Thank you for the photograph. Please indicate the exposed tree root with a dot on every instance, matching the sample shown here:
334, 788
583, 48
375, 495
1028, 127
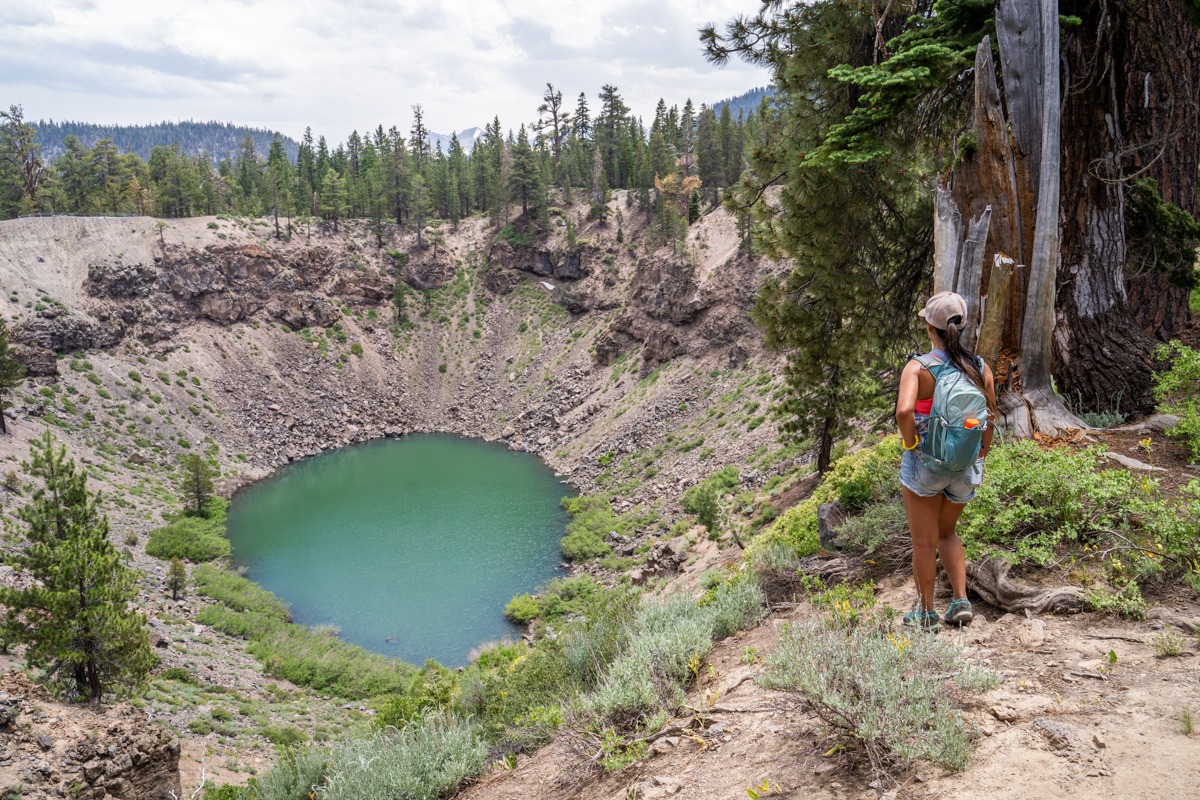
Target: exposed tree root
833, 570
990, 580
1171, 618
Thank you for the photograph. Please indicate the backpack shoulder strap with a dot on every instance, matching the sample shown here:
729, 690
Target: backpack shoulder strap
934, 365
926, 360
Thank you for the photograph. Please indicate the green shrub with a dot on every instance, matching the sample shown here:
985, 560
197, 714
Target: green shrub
704, 499
283, 735
179, 674
225, 791
356, 348
522, 609
876, 468
195, 538
886, 691
430, 690
591, 520
516, 238
426, 760
201, 726
1178, 392
1034, 499
311, 657
237, 593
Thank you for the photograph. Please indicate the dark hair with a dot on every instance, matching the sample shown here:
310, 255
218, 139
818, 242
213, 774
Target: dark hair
963, 359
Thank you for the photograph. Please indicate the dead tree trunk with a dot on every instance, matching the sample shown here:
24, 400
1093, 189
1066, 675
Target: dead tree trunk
1131, 73
1006, 181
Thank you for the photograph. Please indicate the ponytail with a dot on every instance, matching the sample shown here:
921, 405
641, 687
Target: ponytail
963, 359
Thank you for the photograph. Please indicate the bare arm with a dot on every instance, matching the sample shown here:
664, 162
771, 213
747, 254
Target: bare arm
989, 391
906, 402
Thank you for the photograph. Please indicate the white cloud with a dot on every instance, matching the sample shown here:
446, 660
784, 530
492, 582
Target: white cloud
353, 64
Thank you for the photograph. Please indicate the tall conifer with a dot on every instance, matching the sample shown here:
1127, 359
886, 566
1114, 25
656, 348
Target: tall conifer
75, 618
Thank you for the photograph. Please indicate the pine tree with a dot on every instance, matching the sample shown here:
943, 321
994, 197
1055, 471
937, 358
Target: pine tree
195, 484
708, 153
278, 183
525, 180
610, 125
176, 578
555, 122
420, 207
75, 618
333, 197
22, 172
418, 140
10, 372
76, 181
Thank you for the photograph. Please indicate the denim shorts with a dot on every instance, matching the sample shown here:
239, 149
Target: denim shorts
919, 480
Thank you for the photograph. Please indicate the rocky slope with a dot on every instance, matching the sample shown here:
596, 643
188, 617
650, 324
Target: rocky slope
619, 362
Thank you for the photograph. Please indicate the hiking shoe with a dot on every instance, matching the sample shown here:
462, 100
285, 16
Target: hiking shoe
959, 613
925, 620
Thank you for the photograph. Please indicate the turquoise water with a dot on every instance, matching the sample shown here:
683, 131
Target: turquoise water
410, 547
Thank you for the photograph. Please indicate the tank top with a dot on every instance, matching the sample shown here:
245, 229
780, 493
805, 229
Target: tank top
924, 407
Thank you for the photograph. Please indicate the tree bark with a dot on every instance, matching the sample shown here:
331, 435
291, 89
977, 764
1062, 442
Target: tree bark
1015, 211
1134, 90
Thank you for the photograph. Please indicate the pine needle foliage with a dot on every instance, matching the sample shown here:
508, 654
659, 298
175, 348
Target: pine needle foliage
75, 619
853, 213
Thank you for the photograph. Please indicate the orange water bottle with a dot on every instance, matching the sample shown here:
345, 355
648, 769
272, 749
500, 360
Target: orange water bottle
971, 423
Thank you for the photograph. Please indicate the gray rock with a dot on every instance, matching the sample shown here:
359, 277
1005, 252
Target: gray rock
830, 517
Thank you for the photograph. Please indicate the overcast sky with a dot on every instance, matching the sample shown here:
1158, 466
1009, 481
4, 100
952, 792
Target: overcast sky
353, 64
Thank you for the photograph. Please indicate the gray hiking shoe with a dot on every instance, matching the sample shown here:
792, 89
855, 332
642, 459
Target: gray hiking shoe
959, 613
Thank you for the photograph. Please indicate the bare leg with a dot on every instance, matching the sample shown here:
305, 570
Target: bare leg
950, 548
924, 514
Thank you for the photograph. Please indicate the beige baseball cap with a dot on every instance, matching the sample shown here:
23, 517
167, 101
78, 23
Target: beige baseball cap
943, 307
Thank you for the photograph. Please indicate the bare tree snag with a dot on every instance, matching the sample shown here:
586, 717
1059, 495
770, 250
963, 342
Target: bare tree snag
995, 311
947, 239
1038, 329
1015, 210
970, 271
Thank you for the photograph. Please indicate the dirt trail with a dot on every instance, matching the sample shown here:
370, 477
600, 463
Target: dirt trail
1045, 732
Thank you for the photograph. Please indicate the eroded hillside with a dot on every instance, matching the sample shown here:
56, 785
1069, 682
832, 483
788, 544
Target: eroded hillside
625, 366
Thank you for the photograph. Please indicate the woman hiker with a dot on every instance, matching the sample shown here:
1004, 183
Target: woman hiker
933, 502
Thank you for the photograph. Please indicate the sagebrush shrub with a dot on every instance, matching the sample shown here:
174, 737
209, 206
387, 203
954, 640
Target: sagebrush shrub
888, 691
666, 645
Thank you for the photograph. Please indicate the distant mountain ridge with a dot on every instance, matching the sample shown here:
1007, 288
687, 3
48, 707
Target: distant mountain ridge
743, 104
218, 139
223, 139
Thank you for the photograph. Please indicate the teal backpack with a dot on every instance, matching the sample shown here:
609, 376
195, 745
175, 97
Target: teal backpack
950, 447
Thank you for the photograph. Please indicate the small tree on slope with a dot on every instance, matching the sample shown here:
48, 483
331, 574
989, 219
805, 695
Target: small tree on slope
196, 484
75, 619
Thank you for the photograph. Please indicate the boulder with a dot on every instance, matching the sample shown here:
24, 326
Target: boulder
830, 517
39, 362
120, 281
501, 281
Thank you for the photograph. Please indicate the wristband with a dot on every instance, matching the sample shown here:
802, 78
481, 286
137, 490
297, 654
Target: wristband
916, 441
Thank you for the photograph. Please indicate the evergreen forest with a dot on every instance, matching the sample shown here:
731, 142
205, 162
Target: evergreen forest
388, 175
